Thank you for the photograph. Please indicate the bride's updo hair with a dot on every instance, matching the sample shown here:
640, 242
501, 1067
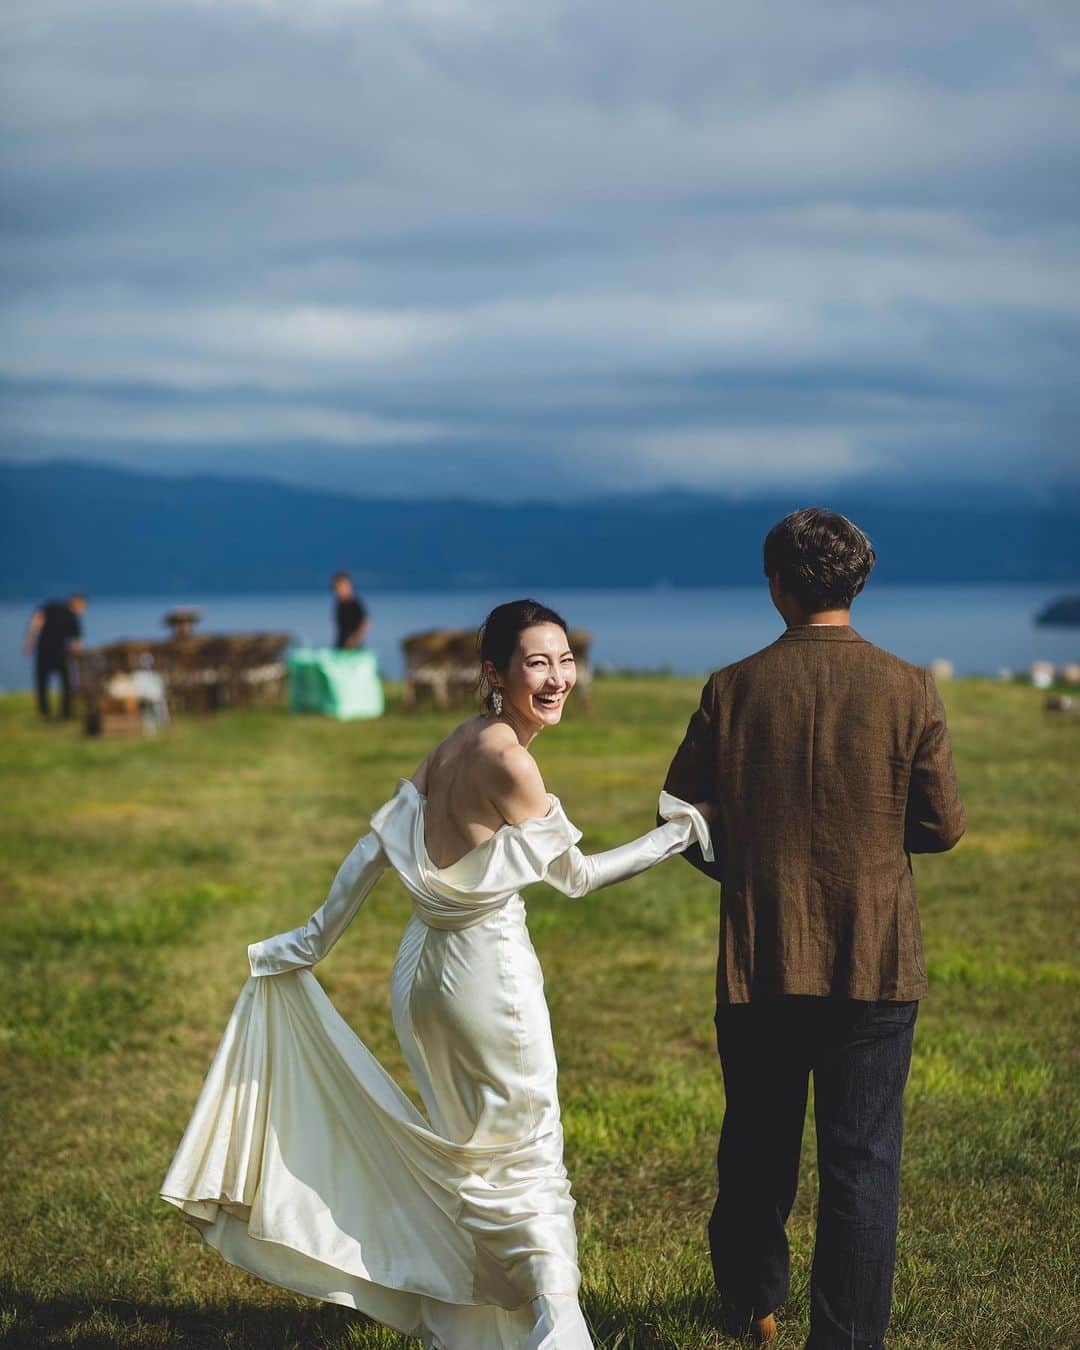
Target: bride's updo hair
499, 633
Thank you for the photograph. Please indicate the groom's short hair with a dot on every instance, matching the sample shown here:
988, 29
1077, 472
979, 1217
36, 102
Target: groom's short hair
820, 557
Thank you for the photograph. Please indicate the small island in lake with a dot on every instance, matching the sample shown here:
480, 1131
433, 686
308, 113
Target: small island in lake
1065, 610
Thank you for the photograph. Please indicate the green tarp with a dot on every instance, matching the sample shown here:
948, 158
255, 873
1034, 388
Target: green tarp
334, 683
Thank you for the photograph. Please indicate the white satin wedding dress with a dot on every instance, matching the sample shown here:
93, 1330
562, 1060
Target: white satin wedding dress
307, 1165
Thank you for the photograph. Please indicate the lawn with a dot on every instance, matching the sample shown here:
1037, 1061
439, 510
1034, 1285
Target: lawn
133, 875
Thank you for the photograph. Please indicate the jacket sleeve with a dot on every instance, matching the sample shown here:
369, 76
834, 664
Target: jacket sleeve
576, 873
935, 818
692, 775
306, 945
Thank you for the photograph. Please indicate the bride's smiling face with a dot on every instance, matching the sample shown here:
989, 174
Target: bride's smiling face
538, 677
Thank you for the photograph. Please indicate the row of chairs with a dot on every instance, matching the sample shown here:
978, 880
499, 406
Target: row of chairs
199, 674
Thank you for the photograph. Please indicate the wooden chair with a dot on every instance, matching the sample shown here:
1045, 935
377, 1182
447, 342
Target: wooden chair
463, 661
110, 705
580, 643
426, 667
262, 674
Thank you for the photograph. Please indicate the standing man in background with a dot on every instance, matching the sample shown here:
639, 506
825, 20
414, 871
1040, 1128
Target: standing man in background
350, 614
56, 629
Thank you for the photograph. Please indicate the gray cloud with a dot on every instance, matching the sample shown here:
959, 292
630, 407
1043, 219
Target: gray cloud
466, 247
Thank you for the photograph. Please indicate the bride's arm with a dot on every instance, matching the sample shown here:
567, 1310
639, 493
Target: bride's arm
520, 795
308, 944
576, 873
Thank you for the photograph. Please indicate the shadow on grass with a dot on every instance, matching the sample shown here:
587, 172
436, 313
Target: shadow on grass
682, 1322
121, 1324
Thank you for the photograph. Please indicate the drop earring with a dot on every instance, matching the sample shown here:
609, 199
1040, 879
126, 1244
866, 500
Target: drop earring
496, 701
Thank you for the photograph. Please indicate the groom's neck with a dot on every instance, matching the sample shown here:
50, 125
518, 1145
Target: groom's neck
795, 617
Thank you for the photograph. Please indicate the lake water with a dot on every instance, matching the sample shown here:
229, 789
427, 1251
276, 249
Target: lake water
979, 628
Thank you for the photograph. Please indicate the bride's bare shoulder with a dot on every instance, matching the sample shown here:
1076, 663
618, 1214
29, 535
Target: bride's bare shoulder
461, 740
512, 777
419, 776
486, 758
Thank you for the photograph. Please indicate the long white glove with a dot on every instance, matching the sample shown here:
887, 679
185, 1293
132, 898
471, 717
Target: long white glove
306, 945
576, 873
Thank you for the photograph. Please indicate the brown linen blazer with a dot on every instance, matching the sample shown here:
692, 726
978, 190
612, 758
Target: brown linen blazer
828, 763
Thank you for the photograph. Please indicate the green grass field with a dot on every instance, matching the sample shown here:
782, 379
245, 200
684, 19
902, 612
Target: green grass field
135, 873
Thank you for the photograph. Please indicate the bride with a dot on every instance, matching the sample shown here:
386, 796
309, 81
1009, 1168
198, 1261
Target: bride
307, 1165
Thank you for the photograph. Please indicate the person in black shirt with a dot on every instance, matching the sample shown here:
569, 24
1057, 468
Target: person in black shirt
352, 617
56, 629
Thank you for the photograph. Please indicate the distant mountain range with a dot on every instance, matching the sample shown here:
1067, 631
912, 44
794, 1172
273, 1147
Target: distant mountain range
114, 532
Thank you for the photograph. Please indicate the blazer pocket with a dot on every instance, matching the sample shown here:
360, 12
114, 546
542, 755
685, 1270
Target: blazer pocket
914, 925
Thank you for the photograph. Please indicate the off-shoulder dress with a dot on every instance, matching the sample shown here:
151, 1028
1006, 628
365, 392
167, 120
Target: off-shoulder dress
306, 1164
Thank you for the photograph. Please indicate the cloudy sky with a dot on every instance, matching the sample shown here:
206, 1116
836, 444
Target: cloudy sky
516, 248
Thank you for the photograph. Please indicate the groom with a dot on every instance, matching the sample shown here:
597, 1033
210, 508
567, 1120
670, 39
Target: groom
827, 762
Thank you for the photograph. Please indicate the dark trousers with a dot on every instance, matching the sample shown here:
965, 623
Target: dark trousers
859, 1054
45, 666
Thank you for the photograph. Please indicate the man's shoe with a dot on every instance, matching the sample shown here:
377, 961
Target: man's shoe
763, 1329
